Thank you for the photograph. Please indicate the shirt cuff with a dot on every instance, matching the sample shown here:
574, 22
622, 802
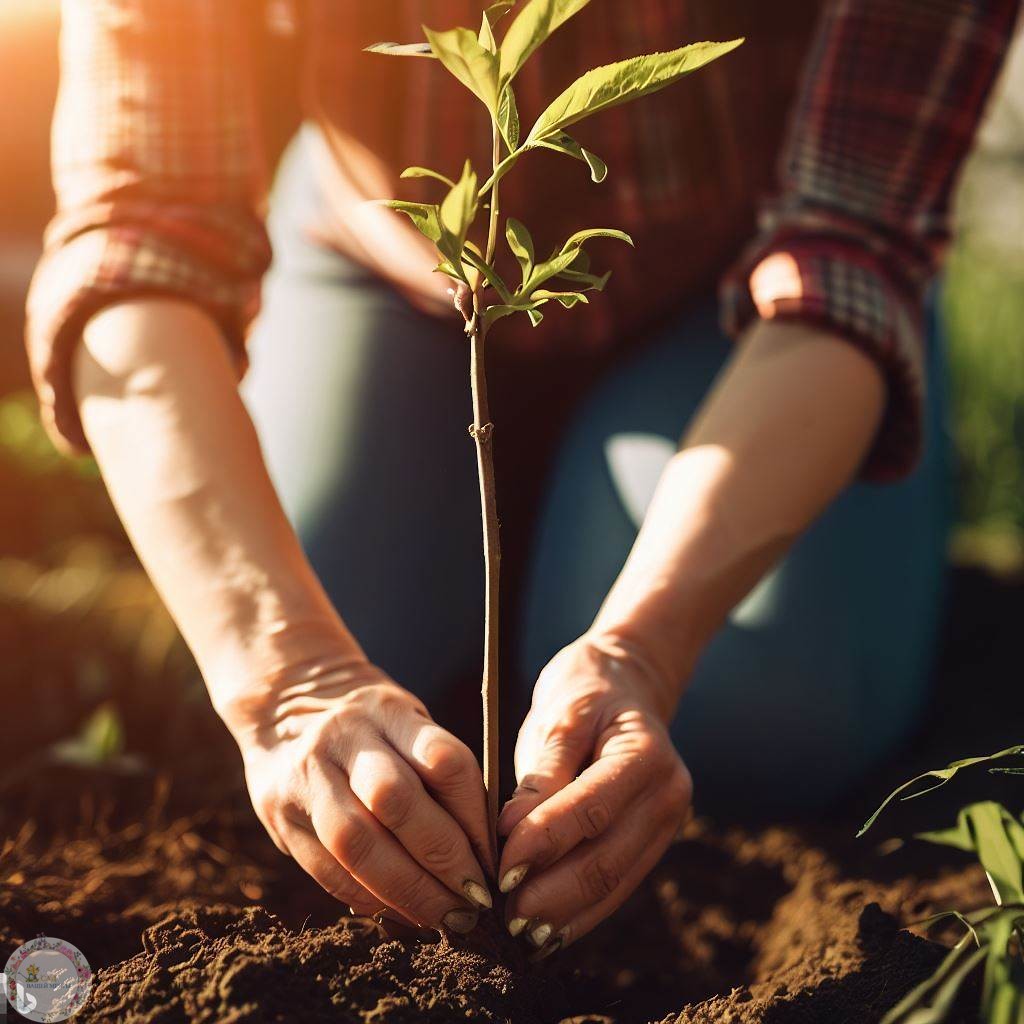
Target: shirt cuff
102, 266
843, 289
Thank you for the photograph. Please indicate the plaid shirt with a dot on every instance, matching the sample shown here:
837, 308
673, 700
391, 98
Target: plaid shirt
160, 183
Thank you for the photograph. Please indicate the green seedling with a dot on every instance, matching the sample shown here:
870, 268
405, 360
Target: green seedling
484, 291
993, 940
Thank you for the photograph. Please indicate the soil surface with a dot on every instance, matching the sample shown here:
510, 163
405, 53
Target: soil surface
199, 919
164, 879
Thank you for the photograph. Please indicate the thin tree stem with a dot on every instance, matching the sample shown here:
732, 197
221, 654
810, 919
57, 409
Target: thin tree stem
482, 431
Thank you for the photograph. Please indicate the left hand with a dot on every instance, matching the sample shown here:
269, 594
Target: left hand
602, 792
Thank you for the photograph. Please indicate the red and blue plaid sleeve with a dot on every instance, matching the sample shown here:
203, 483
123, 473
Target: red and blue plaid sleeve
892, 94
158, 175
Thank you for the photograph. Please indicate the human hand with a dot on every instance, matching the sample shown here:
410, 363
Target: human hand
352, 778
601, 794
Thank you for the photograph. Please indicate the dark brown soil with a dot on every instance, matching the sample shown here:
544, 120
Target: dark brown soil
199, 919
188, 912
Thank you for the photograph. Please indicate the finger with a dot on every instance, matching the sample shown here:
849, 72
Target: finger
584, 810
311, 856
376, 859
392, 792
543, 767
598, 874
587, 920
451, 773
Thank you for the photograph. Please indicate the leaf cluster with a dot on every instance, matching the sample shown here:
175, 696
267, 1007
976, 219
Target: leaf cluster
994, 937
488, 68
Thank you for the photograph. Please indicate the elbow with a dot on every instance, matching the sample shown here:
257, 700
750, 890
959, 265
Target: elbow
134, 350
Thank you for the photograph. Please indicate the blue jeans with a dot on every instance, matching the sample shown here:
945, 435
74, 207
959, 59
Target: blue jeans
362, 406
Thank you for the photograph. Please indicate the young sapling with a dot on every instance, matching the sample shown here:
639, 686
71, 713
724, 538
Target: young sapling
482, 293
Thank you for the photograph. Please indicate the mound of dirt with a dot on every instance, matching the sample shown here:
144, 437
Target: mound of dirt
202, 920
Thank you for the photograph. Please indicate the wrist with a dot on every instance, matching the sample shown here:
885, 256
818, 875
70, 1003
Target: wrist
629, 668
258, 684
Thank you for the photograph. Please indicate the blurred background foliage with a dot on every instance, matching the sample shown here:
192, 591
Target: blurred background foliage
984, 308
81, 631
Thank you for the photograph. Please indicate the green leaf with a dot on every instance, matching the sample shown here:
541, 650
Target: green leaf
534, 23
103, 734
508, 118
494, 313
578, 273
426, 172
458, 211
520, 242
584, 281
446, 226
942, 774
566, 299
423, 215
626, 80
564, 143
100, 741
485, 37
447, 268
548, 269
475, 67
401, 49
958, 837
999, 858
488, 20
576, 241
1001, 997
476, 261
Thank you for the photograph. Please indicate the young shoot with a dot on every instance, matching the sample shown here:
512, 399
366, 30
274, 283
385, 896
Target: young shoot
993, 940
483, 291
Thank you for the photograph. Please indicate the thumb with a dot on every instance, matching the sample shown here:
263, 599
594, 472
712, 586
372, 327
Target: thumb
544, 765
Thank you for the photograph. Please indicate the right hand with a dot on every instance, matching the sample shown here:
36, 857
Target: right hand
352, 778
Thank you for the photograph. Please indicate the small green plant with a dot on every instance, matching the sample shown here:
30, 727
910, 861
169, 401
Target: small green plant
993, 939
482, 292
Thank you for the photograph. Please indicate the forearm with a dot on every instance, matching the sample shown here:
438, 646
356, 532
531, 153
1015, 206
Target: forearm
159, 405
784, 429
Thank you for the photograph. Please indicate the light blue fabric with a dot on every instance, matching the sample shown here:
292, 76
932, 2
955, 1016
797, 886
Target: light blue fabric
362, 408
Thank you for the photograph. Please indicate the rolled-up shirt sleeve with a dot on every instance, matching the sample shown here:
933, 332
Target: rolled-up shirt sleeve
158, 175
892, 94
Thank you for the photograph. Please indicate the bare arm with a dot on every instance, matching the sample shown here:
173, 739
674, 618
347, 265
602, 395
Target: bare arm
339, 759
157, 395
783, 431
602, 789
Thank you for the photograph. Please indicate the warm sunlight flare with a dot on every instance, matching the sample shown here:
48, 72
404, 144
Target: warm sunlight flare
12, 11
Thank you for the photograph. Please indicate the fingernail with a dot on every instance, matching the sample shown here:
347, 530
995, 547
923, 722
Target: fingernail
513, 877
461, 921
477, 894
540, 934
516, 925
552, 947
